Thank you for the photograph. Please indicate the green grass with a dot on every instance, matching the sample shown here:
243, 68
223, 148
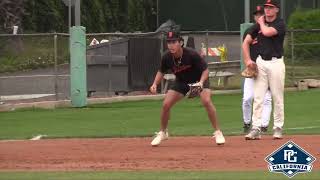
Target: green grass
141, 118
152, 175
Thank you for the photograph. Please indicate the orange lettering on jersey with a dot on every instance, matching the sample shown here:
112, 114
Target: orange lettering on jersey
180, 68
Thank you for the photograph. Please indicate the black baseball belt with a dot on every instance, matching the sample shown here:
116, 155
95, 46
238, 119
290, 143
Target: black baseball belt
269, 58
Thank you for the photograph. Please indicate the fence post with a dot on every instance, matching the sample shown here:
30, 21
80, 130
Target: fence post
55, 38
78, 73
109, 68
207, 45
292, 55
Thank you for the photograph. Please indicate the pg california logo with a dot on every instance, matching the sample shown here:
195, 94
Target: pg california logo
290, 159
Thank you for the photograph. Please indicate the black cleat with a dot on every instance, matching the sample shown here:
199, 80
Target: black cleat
246, 128
264, 129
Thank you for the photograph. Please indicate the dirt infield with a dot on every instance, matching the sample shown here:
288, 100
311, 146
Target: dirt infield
177, 153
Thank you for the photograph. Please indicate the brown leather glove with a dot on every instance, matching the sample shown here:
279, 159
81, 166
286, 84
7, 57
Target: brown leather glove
250, 72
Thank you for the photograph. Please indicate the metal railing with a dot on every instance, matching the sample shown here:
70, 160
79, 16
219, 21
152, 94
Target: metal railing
41, 65
30, 66
302, 53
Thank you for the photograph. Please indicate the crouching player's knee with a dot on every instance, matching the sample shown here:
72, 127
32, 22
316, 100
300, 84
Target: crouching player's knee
206, 98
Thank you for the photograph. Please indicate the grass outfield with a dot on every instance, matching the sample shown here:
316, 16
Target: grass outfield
153, 175
127, 119
142, 119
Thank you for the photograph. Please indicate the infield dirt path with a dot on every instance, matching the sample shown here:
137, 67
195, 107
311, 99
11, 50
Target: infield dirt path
177, 153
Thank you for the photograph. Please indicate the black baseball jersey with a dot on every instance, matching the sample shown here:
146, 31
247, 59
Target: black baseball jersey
188, 69
271, 46
254, 46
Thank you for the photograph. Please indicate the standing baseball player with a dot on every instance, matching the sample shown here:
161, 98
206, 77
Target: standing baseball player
188, 67
270, 31
248, 84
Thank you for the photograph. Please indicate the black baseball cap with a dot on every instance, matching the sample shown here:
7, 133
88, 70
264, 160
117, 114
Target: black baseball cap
273, 3
173, 36
258, 10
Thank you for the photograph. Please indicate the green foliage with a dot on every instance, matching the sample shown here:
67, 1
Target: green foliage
305, 19
141, 14
44, 16
92, 16
14, 63
96, 15
115, 11
36, 52
136, 15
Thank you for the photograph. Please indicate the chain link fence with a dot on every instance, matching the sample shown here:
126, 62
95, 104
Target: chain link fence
35, 67
302, 55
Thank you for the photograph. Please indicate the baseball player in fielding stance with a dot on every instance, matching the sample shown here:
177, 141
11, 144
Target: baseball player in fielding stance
188, 67
270, 31
248, 85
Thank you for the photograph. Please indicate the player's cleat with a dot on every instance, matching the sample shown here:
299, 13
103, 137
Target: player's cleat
264, 129
246, 128
277, 133
254, 134
219, 137
160, 136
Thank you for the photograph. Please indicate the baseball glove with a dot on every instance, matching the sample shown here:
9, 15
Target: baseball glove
250, 72
195, 90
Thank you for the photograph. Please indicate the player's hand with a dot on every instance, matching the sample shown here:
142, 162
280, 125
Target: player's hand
202, 54
251, 71
261, 20
153, 89
251, 64
198, 84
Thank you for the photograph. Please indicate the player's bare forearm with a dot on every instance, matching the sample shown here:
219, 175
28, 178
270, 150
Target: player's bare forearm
266, 30
246, 50
158, 78
204, 76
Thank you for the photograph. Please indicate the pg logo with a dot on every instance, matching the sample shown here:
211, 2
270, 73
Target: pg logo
290, 159
290, 156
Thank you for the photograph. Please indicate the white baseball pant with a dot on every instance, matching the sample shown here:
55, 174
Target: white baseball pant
271, 75
247, 103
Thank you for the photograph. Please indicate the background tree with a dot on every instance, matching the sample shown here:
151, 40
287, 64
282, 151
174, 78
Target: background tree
11, 12
92, 16
141, 15
45, 16
96, 15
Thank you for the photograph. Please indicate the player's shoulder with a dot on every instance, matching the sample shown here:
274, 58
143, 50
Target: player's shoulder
254, 28
278, 22
279, 25
252, 31
190, 51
